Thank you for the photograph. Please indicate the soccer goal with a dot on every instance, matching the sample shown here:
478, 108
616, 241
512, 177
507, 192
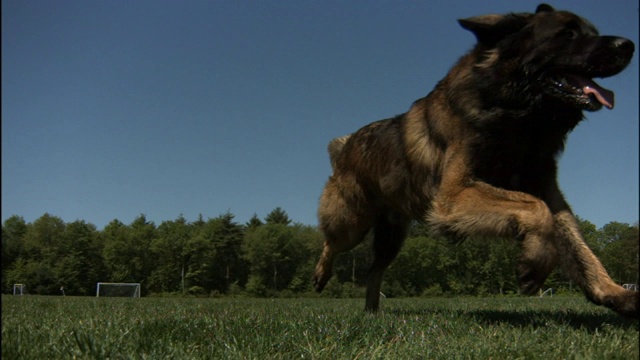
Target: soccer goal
118, 289
19, 289
549, 291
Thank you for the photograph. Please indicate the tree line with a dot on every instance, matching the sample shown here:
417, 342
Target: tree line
267, 258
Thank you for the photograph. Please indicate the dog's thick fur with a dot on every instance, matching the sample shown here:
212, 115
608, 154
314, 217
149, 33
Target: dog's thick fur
477, 156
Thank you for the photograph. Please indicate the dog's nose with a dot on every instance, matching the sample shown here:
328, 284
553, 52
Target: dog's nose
624, 45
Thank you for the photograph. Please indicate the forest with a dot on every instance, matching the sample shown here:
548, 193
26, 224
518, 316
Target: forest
269, 257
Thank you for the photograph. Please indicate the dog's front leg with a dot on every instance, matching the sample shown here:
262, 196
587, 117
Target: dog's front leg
547, 229
583, 267
479, 209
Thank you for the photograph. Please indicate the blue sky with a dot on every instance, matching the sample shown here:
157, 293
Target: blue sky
112, 109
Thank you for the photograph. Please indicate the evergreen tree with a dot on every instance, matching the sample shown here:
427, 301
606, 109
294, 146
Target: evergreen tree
274, 254
42, 252
168, 250
13, 232
278, 216
127, 251
620, 254
80, 265
254, 222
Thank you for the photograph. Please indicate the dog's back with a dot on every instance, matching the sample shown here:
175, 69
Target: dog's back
335, 147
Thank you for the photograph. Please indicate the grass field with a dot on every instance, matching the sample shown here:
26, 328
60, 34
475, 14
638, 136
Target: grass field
35, 327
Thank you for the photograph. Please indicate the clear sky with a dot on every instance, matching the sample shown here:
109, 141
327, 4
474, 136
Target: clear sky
112, 109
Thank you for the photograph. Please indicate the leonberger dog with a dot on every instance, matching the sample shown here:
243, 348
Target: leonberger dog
478, 155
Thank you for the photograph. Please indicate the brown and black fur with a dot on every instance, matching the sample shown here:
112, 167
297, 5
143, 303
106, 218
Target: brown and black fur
477, 156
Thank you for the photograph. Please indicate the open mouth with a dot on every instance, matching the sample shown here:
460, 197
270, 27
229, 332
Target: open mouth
583, 89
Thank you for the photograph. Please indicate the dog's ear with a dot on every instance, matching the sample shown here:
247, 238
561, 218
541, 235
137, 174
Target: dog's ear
544, 8
490, 29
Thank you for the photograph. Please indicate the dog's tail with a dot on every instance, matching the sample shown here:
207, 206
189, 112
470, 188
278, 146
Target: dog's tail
335, 148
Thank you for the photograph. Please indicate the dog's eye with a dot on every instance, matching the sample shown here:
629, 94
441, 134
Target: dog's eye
569, 34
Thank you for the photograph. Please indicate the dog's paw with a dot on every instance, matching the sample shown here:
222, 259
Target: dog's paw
625, 305
319, 282
529, 280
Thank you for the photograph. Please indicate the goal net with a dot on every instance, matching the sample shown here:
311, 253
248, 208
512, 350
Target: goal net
19, 289
105, 289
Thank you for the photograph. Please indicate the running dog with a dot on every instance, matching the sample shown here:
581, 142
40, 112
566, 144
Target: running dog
478, 155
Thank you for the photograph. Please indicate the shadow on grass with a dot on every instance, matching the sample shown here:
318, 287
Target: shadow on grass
591, 322
543, 318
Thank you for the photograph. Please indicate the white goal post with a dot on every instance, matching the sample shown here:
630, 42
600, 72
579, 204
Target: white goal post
108, 289
19, 289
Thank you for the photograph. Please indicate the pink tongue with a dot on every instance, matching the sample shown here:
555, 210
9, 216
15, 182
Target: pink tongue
604, 96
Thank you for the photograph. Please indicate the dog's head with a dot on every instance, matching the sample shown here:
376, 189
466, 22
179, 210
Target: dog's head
554, 55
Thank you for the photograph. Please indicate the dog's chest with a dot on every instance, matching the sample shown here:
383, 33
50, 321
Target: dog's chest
513, 164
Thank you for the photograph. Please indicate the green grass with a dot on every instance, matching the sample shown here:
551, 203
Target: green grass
35, 327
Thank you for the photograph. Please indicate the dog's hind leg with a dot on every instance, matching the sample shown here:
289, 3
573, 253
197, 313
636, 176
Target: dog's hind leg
335, 242
344, 226
389, 233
